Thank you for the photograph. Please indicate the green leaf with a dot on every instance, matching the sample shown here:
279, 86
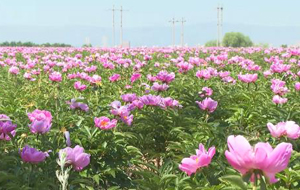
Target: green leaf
235, 180
246, 177
263, 185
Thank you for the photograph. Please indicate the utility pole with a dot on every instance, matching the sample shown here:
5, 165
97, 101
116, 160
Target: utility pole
219, 25
121, 26
113, 26
87, 42
173, 21
182, 31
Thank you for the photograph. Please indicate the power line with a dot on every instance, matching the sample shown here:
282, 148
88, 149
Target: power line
173, 21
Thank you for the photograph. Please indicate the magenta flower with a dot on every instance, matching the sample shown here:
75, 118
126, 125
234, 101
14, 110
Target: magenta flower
208, 104
297, 86
135, 77
165, 77
267, 73
55, 77
169, 102
119, 110
279, 100
105, 123
76, 157
159, 87
184, 67
245, 158
206, 92
14, 70
74, 105
205, 74
138, 104
79, 86
40, 121
150, 100
248, 78
151, 78
114, 77
32, 155
279, 67
7, 128
127, 119
95, 79
278, 87
288, 128
193, 163
129, 97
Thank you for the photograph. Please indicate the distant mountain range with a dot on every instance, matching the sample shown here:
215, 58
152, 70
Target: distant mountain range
196, 34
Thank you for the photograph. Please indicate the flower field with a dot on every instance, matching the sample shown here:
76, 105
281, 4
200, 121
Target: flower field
88, 118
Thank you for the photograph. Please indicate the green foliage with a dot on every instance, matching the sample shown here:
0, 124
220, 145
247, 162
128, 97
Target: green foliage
211, 43
236, 39
145, 155
263, 45
31, 44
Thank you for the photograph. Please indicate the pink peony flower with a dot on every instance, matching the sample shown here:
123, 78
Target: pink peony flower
105, 123
245, 158
248, 78
55, 77
278, 87
74, 105
165, 77
7, 128
135, 77
206, 92
79, 86
114, 77
208, 104
129, 97
193, 163
159, 87
279, 100
41, 121
13, 70
32, 155
76, 157
297, 86
289, 129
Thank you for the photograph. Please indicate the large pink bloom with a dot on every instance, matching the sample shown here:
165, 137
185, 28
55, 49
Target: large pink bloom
76, 157
32, 155
208, 104
193, 163
279, 100
79, 86
245, 158
289, 129
55, 77
248, 78
41, 121
165, 77
105, 123
134, 77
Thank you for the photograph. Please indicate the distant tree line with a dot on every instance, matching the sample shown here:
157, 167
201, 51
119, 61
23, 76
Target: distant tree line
232, 39
31, 44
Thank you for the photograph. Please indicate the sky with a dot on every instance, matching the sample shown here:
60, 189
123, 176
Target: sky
71, 21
